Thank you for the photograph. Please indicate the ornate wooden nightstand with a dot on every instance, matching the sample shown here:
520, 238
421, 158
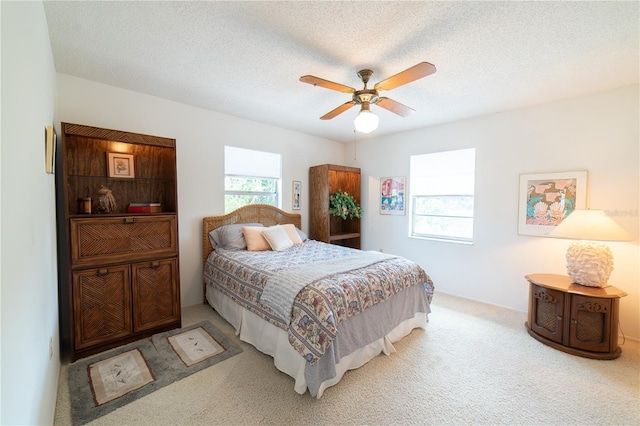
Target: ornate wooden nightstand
573, 318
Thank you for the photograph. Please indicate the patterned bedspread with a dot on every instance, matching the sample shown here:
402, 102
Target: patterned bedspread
321, 306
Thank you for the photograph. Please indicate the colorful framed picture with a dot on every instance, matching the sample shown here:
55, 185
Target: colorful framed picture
546, 199
392, 195
120, 165
295, 195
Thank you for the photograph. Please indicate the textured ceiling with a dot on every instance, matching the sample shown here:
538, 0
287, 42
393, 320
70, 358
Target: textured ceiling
245, 58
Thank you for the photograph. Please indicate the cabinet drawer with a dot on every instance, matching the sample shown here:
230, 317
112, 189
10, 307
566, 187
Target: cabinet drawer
101, 305
98, 241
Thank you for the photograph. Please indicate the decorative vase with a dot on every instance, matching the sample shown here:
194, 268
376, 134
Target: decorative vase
589, 263
106, 200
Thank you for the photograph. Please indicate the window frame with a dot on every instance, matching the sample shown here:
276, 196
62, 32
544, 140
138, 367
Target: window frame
413, 203
277, 181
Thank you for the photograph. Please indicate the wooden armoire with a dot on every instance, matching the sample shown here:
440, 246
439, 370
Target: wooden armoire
118, 277
323, 180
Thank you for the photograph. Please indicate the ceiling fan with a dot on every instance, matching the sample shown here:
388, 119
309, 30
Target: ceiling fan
366, 121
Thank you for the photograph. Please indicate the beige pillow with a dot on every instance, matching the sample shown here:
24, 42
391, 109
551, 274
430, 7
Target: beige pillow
255, 239
292, 233
277, 238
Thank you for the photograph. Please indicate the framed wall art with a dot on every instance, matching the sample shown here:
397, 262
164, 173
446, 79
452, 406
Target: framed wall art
295, 195
50, 140
392, 195
546, 199
120, 165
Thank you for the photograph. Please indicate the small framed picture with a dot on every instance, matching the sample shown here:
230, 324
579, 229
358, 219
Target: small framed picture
392, 195
295, 195
49, 149
548, 198
120, 165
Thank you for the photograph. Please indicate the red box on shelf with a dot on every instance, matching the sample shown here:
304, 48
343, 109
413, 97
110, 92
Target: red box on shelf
145, 208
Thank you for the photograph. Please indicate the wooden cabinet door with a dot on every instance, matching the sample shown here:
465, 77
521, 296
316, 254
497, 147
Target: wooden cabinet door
156, 297
590, 326
547, 312
101, 305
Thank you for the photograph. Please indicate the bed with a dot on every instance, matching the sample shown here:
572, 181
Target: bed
318, 309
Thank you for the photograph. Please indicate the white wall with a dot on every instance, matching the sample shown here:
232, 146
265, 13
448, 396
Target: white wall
200, 138
597, 133
29, 308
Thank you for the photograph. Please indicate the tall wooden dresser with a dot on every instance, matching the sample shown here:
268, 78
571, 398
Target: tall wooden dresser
118, 271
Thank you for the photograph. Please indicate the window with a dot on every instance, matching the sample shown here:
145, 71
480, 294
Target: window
250, 177
441, 190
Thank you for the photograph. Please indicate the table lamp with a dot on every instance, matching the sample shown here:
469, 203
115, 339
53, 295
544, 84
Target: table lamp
590, 263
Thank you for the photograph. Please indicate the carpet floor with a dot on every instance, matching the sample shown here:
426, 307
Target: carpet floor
474, 364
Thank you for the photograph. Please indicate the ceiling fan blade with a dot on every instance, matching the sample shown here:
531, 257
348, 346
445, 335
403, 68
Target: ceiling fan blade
395, 107
317, 81
342, 108
420, 70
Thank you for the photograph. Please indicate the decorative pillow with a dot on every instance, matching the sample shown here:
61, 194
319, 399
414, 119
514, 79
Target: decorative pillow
277, 237
302, 235
292, 232
255, 239
230, 237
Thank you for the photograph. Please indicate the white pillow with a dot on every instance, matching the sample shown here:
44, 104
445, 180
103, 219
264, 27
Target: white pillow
277, 237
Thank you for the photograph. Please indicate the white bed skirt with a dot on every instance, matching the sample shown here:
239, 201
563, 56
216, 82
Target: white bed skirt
274, 341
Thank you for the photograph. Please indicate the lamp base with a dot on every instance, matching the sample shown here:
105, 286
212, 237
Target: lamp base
589, 263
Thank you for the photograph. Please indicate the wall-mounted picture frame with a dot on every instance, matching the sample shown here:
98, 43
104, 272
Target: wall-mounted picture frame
120, 165
392, 195
50, 140
546, 199
295, 194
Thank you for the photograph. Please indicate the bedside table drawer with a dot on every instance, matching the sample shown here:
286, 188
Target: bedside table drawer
98, 241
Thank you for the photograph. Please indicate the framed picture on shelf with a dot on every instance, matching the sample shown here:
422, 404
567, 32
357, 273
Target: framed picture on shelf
120, 165
546, 199
392, 195
295, 195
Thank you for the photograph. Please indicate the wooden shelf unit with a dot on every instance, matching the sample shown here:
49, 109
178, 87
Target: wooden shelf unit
118, 273
323, 180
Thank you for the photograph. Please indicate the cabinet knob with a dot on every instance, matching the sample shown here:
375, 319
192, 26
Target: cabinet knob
102, 272
129, 220
154, 265
559, 318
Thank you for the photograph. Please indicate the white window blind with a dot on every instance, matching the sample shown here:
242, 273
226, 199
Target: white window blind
248, 162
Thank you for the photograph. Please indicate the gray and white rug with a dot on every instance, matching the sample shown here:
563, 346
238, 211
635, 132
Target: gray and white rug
107, 381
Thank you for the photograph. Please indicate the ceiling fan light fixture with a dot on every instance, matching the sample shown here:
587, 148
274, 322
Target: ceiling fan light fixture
366, 121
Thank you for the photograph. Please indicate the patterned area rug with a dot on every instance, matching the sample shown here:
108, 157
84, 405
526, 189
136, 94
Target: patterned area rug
104, 382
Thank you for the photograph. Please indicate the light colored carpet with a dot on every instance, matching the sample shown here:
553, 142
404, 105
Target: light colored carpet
474, 364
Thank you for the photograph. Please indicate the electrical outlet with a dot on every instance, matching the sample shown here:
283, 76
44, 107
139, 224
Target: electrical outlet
50, 348
381, 251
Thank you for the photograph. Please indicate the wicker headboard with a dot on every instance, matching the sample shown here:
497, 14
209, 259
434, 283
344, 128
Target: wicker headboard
253, 213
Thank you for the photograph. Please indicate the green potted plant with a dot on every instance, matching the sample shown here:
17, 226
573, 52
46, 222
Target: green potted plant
344, 205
